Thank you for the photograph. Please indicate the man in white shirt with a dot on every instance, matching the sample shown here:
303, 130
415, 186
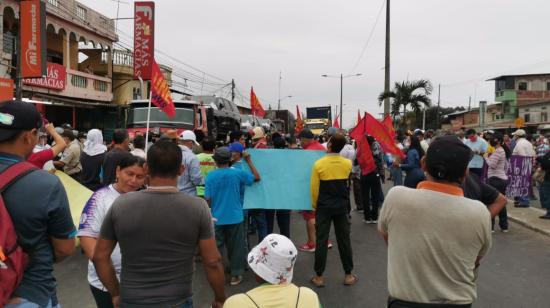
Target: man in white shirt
522, 148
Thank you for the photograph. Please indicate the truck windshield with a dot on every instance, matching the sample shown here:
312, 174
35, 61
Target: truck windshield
138, 116
315, 126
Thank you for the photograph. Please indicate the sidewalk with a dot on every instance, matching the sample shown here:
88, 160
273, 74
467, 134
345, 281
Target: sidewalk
529, 217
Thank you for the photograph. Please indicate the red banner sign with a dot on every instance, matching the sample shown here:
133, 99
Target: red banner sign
144, 39
56, 78
6, 89
33, 38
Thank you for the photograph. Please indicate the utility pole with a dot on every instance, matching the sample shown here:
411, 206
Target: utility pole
18, 80
469, 103
387, 64
279, 101
438, 103
341, 98
232, 90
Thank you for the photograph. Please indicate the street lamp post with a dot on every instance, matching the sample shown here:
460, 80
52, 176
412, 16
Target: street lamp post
341, 91
282, 99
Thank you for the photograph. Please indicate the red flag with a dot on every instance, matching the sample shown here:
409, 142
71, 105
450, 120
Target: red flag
364, 156
299, 123
388, 122
336, 124
255, 105
358, 116
369, 125
160, 92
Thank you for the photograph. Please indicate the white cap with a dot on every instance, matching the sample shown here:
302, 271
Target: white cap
189, 135
519, 133
273, 259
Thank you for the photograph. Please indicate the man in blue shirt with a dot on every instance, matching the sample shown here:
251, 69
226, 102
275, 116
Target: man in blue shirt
479, 147
223, 193
38, 207
192, 176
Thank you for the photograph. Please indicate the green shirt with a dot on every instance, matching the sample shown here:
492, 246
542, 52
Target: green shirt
206, 164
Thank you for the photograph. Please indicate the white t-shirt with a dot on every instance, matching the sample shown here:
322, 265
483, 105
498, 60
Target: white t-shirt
90, 224
434, 238
524, 148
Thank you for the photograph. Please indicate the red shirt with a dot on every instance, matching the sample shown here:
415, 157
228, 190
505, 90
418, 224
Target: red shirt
315, 145
40, 158
262, 144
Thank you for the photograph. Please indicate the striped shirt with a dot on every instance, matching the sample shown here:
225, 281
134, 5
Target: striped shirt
498, 164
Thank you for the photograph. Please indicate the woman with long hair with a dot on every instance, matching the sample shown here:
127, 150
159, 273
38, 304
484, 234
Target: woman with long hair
414, 173
130, 176
497, 164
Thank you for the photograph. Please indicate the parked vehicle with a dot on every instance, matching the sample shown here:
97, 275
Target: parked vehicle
248, 122
318, 119
214, 116
283, 120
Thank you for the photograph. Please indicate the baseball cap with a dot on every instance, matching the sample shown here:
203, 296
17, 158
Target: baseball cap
519, 133
222, 155
236, 147
447, 158
273, 259
189, 135
306, 133
17, 116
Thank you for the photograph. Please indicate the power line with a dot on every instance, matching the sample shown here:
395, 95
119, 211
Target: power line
369, 37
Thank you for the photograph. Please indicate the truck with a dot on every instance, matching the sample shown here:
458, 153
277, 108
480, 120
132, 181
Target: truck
214, 116
282, 120
318, 119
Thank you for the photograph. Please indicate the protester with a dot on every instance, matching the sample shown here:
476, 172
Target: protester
130, 177
423, 143
42, 141
478, 147
70, 159
522, 147
40, 158
444, 274
308, 142
237, 136
157, 249
544, 188
92, 159
330, 198
192, 176
139, 147
37, 206
206, 161
371, 184
414, 173
273, 264
121, 141
223, 193
395, 172
259, 138
497, 164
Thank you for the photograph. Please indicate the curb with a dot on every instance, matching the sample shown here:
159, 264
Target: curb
525, 223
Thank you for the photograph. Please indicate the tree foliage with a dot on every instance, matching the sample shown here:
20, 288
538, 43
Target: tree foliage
414, 94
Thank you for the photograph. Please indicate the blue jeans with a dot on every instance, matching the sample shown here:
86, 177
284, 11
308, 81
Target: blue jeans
544, 196
26, 304
397, 176
260, 222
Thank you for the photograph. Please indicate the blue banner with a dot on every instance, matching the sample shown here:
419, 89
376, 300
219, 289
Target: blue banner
285, 179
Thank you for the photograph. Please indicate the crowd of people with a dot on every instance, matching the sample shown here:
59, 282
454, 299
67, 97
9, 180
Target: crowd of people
153, 213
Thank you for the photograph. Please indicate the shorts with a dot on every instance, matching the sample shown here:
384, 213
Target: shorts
308, 215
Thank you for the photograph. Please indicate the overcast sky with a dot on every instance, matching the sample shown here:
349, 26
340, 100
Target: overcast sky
459, 44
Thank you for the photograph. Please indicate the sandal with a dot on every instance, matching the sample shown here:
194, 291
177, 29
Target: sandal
352, 282
318, 283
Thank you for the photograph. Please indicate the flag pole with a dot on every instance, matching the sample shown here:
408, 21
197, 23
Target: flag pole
148, 120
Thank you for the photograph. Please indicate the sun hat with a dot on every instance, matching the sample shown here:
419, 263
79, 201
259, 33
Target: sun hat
273, 259
258, 133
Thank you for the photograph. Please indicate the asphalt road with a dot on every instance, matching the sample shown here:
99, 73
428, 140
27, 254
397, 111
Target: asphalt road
515, 274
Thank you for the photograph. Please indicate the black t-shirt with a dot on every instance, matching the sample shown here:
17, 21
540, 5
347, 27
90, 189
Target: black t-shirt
91, 168
475, 189
110, 162
544, 162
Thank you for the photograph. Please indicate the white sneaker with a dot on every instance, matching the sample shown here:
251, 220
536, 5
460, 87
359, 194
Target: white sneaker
368, 222
375, 221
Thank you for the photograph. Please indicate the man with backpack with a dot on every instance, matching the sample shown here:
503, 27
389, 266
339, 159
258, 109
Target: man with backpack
36, 228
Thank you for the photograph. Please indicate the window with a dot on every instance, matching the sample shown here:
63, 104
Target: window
104, 57
522, 86
136, 93
81, 12
53, 2
548, 86
527, 117
543, 116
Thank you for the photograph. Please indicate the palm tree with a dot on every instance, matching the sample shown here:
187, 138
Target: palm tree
414, 93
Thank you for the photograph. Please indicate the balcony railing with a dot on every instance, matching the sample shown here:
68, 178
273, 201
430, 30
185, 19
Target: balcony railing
88, 86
